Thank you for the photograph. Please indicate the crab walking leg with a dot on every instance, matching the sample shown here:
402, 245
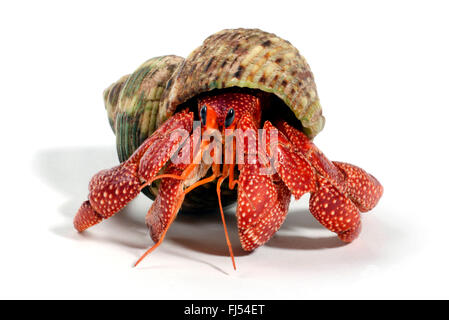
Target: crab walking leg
293, 168
163, 211
361, 187
165, 146
315, 157
343, 190
335, 211
111, 190
170, 197
166, 205
180, 121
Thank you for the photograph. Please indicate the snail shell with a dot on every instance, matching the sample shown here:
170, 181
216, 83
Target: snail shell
247, 58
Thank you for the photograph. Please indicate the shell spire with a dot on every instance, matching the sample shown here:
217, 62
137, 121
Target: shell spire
133, 102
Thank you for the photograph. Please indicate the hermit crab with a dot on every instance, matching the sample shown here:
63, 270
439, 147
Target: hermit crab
233, 122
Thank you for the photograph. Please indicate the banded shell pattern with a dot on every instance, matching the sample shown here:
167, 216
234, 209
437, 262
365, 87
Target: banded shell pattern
133, 102
248, 58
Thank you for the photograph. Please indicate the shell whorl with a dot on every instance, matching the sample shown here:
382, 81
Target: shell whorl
248, 58
111, 99
134, 115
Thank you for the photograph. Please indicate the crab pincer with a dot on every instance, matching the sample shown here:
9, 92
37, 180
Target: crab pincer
111, 190
262, 206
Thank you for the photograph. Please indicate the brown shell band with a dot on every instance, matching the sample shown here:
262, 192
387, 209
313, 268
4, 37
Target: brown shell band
248, 58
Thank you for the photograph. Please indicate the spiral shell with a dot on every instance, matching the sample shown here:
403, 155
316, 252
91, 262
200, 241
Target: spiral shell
133, 102
247, 58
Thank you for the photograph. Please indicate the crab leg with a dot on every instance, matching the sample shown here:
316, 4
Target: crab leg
165, 207
165, 145
166, 204
361, 187
335, 211
111, 190
293, 168
343, 190
316, 158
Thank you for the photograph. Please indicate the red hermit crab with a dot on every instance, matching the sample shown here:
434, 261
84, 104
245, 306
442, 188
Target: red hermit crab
232, 122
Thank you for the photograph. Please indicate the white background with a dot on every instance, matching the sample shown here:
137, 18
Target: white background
382, 74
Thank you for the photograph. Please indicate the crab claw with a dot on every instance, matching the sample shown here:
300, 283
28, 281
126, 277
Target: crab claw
86, 217
262, 206
109, 191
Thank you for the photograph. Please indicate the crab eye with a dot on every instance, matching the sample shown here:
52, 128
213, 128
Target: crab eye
229, 117
203, 114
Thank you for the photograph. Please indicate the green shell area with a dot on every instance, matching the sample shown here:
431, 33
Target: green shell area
111, 98
133, 102
248, 58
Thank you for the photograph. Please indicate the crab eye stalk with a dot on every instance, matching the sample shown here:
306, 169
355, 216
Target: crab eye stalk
229, 117
203, 114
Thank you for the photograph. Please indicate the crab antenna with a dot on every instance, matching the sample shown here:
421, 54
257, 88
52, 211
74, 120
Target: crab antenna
220, 180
